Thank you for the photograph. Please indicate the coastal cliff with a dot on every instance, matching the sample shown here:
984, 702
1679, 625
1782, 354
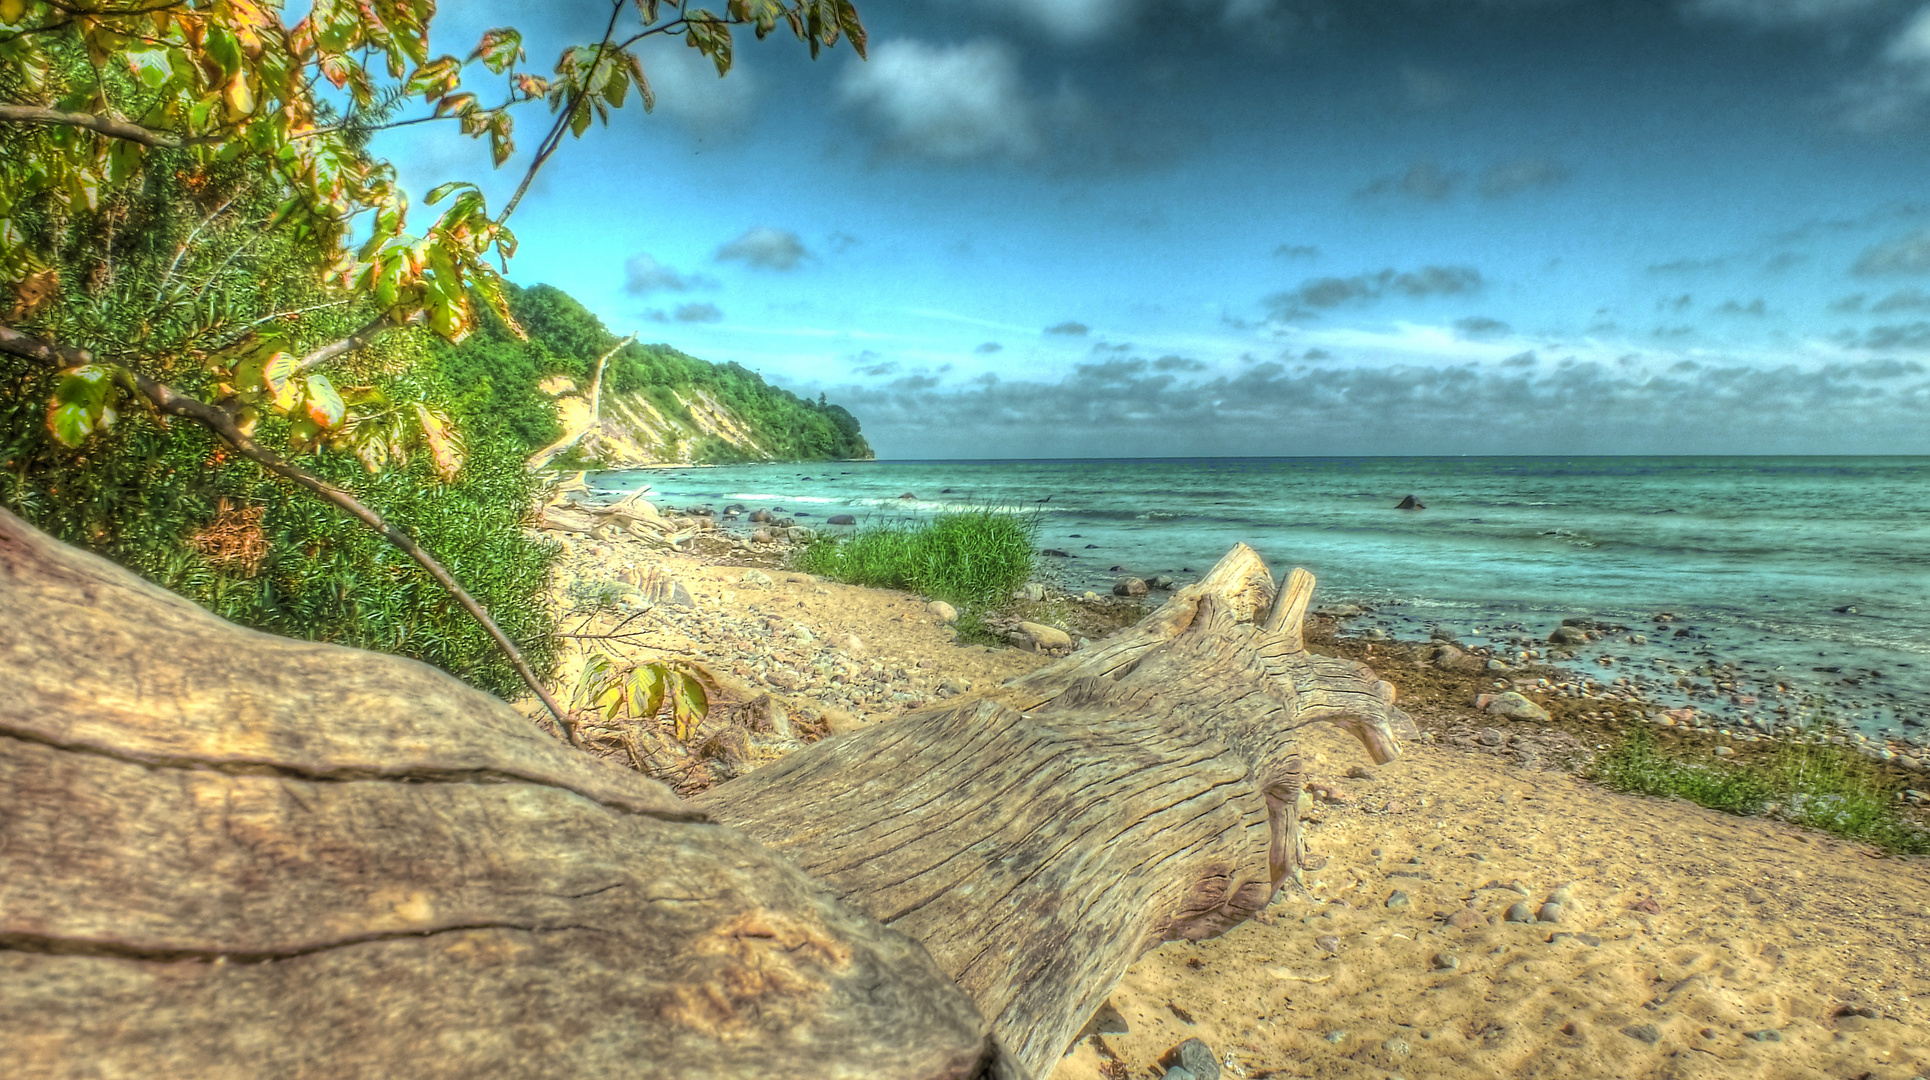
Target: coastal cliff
578, 396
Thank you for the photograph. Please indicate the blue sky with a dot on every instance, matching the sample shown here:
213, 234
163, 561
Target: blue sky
1121, 227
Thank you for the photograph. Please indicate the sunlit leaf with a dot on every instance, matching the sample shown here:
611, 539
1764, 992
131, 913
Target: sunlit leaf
324, 404
80, 404
442, 443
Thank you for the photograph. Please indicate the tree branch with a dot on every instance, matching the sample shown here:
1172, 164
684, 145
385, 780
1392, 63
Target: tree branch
383, 324
110, 126
173, 403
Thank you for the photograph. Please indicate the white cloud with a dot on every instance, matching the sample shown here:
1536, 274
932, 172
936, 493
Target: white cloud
643, 275
1895, 89
1912, 45
689, 91
946, 103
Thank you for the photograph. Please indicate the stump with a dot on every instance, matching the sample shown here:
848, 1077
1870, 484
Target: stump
1141, 791
227, 854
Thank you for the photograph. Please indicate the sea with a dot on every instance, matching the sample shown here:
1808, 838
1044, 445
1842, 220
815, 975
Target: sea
1798, 582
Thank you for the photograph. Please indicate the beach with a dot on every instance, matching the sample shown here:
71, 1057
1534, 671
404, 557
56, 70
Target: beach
1684, 942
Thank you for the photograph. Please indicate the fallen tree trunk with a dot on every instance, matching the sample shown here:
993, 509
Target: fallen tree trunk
228, 854
1141, 791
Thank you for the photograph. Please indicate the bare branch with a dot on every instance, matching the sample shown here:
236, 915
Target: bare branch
171, 403
111, 126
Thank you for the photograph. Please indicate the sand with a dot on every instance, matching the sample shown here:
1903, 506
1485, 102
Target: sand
1692, 943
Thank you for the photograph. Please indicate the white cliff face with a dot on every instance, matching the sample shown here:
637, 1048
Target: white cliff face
633, 430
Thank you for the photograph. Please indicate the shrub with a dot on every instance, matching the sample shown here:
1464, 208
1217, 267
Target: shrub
1810, 783
973, 558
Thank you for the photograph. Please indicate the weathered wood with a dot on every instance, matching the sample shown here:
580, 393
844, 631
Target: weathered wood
226, 854
1140, 791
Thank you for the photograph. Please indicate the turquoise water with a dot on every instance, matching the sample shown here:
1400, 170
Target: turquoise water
1778, 566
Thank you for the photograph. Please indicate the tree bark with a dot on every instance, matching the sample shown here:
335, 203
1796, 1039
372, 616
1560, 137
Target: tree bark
1141, 791
226, 854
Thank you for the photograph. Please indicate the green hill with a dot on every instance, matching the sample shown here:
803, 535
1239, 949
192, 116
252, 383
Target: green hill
656, 404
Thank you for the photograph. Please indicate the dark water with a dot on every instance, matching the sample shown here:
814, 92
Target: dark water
1781, 566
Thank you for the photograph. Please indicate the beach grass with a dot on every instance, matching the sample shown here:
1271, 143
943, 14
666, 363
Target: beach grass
972, 559
1810, 783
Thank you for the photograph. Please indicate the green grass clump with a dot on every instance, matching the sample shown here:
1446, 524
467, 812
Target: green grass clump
1813, 784
973, 559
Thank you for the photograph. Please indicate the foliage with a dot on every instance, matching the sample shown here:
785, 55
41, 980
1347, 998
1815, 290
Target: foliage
1811, 783
499, 374
150, 499
643, 691
973, 558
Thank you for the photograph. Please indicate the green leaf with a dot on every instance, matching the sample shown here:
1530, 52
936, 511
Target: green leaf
152, 66
645, 690
80, 404
500, 49
324, 404
441, 191
277, 374
688, 701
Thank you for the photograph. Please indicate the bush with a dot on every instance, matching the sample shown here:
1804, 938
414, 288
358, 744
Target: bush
973, 559
1813, 784
173, 507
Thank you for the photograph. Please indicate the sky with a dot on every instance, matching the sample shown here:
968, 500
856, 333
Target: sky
1150, 228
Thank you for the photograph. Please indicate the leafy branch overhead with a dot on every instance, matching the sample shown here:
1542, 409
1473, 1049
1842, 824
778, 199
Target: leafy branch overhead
261, 121
230, 80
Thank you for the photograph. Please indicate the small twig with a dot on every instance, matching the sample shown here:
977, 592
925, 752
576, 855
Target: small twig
186, 244
383, 324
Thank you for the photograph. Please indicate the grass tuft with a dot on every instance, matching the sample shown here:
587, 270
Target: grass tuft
972, 559
1813, 784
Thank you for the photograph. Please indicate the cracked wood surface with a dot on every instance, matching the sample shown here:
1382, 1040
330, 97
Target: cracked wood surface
1139, 791
225, 854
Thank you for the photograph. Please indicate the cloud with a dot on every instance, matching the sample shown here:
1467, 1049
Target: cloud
944, 103
1332, 292
1674, 303
1069, 329
1297, 251
1125, 405
1754, 307
1846, 304
766, 249
988, 347
1907, 254
700, 312
1892, 93
1782, 260
1524, 174
1902, 300
1425, 89
841, 242
876, 370
1687, 266
1422, 180
688, 90
643, 275
1475, 326
1782, 13
1083, 21
1177, 363
1914, 335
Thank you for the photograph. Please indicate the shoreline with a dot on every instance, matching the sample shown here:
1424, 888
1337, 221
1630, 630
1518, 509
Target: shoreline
1742, 946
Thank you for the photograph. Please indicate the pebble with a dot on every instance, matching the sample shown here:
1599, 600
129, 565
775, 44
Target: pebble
757, 579
1590, 940
1397, 899
1647, 1033
1765, 1035
942, 611
1521, 912
1444, 962
1190, 1060
1550, 912
1338, 1037
1466, 919
1327, 943
1492, 736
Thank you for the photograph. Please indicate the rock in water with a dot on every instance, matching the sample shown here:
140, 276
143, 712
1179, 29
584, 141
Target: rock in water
841, 519
1568, 635
1129, 586
1411, 503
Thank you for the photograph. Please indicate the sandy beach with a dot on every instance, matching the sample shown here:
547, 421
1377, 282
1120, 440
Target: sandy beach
1680, 942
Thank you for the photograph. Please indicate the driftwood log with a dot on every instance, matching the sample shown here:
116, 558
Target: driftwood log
229, 854
1141, 791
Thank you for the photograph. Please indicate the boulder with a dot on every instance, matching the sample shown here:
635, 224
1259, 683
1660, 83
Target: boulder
1515, 707
1054, 553
1129, 586
944, 612
1042, 638
761, 536
1411, 503
1340, 611
759, 517
908, 495
1568, 635
841, 519
1163, 582
756, 579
